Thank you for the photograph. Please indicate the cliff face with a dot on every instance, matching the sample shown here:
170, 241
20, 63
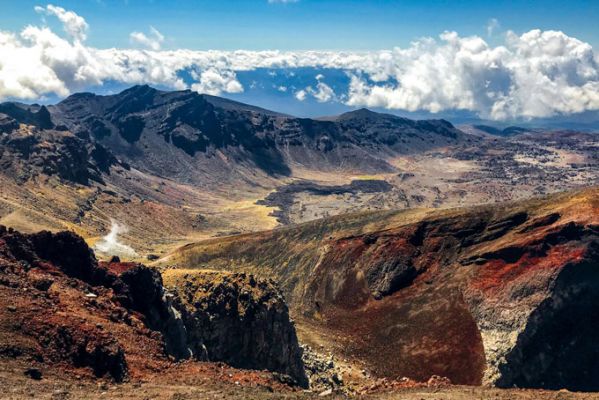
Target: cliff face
535, 303
237, 319
503, 295
63, 310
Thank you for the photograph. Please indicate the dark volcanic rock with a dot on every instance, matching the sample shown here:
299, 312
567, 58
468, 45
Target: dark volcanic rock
509, 131
237, 319
106, 316
146, 128
148, 296
284, 197
558, 348
131, 127
30, 152
7, 124
35, 115
33, 373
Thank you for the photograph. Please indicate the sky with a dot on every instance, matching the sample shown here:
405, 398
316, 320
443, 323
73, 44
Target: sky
497, 60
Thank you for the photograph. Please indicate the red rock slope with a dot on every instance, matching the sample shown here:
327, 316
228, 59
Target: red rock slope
64, 314
505, 295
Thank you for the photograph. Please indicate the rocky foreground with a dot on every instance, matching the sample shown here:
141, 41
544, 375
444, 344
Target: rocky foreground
394, 304
65, 315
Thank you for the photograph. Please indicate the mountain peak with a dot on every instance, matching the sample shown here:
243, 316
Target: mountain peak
139, 90
365, 113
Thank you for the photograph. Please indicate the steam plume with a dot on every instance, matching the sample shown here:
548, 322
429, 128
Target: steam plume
110, 244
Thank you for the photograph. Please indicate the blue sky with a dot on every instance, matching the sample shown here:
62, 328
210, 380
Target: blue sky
310, 24
502, 61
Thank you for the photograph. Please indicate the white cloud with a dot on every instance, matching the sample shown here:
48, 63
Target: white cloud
214, 82
492, 25
282, 1
301, 95
323, 92
535, 74
153, 41
73, 24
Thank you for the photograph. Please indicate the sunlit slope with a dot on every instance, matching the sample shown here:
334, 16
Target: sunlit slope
463, 293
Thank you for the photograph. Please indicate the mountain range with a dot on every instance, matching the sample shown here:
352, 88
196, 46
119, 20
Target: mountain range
355, 254
195, 166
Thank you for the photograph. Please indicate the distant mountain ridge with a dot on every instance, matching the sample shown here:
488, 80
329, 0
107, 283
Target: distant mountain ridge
509, 131
178, 134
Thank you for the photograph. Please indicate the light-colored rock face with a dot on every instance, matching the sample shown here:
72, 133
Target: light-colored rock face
555, 345
237, 319
535, 311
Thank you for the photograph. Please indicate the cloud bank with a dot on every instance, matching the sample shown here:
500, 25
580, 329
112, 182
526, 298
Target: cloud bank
532, 75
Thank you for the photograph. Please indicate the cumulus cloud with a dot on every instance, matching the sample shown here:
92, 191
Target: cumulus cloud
322, 93
73, 24
301, 95
152, 41
214, 82
535, 74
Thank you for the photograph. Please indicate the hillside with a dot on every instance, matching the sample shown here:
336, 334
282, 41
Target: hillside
476, 294
503, 295
347, 224
177, 167
66, 318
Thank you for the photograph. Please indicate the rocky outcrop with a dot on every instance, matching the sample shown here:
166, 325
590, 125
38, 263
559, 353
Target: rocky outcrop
116, 319
51, 279
28, 151
34, 115
145, 293
44, 260
237, 319
7, 124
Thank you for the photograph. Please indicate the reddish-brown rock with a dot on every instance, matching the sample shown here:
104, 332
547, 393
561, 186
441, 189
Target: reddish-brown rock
504, 295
